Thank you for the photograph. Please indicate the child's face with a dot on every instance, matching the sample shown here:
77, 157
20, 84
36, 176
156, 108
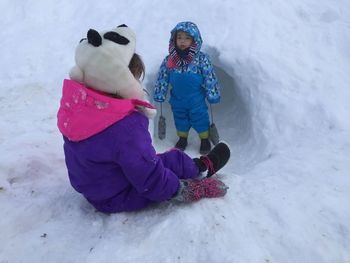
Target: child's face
183, 40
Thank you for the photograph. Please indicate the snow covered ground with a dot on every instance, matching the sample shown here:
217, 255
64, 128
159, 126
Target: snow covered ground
284, 70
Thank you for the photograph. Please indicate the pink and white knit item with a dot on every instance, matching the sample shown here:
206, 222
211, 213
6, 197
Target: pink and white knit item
194, 190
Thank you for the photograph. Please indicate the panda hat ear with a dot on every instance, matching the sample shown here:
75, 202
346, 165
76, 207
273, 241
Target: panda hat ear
94, 38
126, 32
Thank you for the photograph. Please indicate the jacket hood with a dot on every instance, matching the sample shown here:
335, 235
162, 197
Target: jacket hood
190, 28
85, 112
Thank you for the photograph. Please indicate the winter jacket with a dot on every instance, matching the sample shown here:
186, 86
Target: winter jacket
109, 153
199, 67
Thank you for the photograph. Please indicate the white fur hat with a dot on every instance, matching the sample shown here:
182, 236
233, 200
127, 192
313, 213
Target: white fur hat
102, 61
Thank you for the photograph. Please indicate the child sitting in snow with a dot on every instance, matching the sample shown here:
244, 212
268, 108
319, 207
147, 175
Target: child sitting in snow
192, 79
108, 149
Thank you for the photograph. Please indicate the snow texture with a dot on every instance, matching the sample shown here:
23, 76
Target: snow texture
284, 71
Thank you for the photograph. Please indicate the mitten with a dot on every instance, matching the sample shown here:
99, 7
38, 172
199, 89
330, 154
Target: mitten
193, 190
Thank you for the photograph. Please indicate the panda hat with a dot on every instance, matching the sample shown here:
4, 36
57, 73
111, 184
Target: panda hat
102, 61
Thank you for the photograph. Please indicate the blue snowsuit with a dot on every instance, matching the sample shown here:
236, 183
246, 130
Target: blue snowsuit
192, 81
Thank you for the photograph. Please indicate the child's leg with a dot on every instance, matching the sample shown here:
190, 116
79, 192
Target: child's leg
199, 119
182, 121
132, 201
182, 125
200, 122
180, 163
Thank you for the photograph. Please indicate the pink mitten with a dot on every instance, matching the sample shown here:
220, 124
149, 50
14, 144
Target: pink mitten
192, 190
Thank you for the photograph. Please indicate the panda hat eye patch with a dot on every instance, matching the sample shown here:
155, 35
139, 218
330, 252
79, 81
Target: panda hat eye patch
115, 37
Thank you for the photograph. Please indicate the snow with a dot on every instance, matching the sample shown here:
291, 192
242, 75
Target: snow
284, 70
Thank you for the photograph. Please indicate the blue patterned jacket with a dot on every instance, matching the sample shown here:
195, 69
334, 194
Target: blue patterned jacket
200, 64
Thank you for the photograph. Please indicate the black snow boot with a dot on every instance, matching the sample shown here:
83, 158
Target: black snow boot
205, 146
181, 143
214, 160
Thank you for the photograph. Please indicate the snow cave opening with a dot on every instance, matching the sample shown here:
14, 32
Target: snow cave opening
233, 118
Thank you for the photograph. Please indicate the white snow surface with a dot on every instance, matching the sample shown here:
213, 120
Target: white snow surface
284, 70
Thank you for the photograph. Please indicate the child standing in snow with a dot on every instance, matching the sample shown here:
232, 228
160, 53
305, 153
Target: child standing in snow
108, 149
191, 76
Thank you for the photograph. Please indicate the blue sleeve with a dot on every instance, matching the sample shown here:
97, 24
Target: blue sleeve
210, 83
162, 83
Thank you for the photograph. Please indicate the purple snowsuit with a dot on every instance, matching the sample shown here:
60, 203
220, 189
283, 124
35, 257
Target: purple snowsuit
116, 167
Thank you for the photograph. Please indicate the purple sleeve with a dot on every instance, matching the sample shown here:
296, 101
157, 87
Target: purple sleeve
143, 167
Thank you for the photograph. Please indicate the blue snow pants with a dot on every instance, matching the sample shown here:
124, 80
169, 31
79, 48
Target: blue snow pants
187, 100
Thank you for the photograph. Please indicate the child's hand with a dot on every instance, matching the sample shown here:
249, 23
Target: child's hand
193, 190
